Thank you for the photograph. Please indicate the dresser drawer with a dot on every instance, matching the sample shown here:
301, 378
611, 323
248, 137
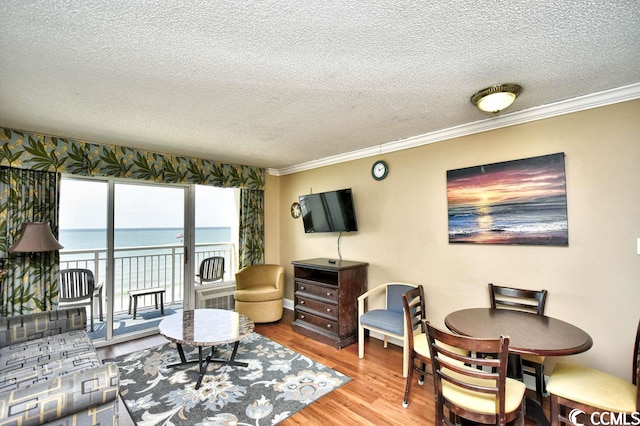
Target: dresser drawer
327, 309
319, 290
325, 324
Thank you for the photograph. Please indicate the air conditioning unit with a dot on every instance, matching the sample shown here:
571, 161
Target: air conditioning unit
216, 296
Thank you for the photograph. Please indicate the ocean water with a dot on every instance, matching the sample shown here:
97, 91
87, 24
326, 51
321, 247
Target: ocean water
136, 268
80, 239
543, 221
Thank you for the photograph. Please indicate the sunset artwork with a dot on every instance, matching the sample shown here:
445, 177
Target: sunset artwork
514, 202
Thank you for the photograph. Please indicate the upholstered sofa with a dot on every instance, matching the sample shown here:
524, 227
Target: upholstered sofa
51, 374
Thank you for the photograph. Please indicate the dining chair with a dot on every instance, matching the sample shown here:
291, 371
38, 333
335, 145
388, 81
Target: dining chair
532, 301
413, 302
573, 386
211, 269
470, 386
77, 288
415, 313
387, 320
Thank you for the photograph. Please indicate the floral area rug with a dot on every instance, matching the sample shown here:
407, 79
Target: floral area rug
277, 383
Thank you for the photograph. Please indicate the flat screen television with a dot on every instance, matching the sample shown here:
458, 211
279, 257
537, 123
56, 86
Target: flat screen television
328, 212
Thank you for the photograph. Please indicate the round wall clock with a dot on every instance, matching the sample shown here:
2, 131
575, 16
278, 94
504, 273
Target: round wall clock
295, 210
379, 170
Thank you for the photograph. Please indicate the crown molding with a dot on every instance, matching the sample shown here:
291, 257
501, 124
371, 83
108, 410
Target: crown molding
581, 103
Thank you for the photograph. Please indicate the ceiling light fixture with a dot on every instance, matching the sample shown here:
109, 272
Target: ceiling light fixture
496, 98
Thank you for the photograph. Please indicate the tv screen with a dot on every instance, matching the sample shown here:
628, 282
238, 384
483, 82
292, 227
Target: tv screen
328, 212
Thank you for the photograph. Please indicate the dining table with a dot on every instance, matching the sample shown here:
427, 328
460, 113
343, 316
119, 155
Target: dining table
528, 334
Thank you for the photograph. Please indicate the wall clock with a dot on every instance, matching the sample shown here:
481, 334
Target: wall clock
379, 170
295, 210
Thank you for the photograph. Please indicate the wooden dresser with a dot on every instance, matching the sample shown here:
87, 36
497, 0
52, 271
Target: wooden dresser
326, 299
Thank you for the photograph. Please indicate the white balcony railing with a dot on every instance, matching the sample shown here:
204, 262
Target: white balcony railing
145, 267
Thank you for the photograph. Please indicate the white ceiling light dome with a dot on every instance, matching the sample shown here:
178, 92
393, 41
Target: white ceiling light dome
496, 98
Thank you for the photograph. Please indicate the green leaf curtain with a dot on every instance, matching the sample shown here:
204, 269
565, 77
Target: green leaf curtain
24, 150
251, 250
28, 196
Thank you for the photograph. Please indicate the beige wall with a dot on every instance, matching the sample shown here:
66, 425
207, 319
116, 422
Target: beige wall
594, 283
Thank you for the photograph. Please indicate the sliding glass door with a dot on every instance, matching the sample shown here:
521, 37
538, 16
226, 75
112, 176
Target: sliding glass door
148, 255
142, 241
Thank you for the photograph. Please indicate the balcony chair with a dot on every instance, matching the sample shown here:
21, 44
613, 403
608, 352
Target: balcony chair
532, 301
473, 387
575, 387
388, 320
77, 288
260, 292
211, 270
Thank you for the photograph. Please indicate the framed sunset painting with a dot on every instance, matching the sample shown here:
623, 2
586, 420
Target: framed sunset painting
513, 202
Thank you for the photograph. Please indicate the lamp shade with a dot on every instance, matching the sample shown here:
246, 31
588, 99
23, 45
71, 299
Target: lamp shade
496, 98
35, 237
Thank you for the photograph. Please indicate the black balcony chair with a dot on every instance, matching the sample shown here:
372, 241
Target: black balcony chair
77, 288
211, 270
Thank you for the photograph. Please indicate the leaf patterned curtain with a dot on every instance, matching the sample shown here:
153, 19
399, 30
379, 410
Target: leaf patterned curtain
251, 242
26, 150
27, 196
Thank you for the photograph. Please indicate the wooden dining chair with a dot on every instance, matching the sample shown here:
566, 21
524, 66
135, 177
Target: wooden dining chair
532, 301
573, 386
413, 302
473, 387
387, 320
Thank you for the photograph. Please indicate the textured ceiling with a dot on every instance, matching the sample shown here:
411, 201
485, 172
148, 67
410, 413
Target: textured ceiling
281, 83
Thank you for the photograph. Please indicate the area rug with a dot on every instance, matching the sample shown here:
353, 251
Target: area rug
277, 383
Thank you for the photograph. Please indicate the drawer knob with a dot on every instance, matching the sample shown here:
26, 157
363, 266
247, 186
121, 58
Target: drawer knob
301, 287
302, 316
328, 293
328, 309
302, 302
328, 325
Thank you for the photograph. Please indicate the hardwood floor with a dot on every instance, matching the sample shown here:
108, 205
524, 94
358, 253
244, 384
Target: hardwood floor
372, 397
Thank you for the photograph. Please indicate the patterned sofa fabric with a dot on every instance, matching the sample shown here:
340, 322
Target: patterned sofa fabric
50, 373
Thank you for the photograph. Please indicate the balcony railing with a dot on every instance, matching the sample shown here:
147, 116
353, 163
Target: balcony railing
145, 267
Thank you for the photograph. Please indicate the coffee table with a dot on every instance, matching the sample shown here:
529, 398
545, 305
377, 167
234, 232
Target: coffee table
206, 327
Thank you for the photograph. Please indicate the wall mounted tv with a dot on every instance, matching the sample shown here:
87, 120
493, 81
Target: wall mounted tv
328, 212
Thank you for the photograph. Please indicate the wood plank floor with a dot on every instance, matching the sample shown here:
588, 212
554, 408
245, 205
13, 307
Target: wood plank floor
372, 397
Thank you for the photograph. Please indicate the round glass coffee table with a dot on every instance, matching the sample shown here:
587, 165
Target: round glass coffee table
206, 327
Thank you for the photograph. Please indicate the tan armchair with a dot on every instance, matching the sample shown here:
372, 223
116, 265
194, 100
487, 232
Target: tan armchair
260, 292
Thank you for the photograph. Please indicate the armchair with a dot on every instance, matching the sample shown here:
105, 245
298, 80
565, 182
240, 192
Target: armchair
388, 320
260, 292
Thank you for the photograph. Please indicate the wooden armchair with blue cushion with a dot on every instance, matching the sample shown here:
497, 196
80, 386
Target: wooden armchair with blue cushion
387, 320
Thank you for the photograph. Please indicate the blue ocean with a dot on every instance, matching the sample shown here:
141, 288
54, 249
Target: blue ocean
81, 239
543, 221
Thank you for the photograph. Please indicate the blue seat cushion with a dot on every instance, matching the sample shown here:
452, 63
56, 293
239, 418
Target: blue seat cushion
392, 322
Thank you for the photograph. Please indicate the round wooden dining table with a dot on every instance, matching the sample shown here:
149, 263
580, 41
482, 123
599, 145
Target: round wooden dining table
528, 334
